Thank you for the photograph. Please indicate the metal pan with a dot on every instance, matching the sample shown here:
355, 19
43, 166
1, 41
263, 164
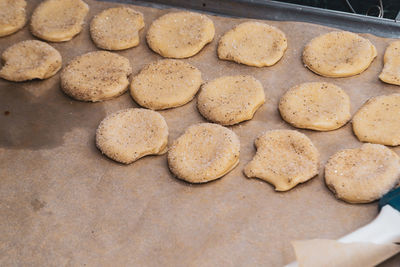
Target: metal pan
272, 10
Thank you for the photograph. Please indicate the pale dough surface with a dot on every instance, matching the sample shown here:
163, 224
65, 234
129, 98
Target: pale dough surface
205, 152
284, 158
253, 43
96, 76
180, 34
363, 174
338, 54
165, 84
58, 20
116, 28
391, 69
128, 135
377, 121
316, 105
12, 16
229, 100
29, 60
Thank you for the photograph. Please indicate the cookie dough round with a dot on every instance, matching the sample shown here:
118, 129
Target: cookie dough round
180, 34
253, 44
339, 54
58, 20
284, 158
165, 84
230, 99
28, 60
364, 174
205, 152
116, 28
96, 76
316, 105
391, 69
12, 16
377, 121
128, 135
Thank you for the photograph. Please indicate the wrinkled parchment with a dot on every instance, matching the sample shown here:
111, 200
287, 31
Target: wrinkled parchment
64, 204
332, 253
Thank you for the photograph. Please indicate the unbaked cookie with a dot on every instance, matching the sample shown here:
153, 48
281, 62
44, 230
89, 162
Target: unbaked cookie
230, 99
58, 20
12, 16
116, 28
180, 34
165, 84
377, 121
338, 54
96, 76
205, 152
364, 174
29, 60
284, 158
391, 69
315, 105
253, 43
128, 135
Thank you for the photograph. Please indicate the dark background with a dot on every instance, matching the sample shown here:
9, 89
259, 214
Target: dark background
391, 7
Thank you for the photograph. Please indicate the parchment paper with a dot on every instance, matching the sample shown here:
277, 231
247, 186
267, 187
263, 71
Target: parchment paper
64, 204
332, 253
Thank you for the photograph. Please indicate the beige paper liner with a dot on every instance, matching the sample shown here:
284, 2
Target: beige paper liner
62, 203
332, 253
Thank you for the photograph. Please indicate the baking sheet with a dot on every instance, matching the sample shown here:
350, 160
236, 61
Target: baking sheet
284, 11
64, 204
